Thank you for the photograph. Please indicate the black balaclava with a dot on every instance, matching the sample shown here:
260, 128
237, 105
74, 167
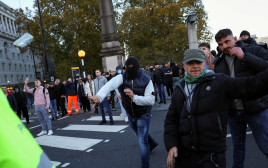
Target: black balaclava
133, 72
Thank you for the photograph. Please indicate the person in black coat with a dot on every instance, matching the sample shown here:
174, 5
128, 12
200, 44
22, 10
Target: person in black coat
158, 80
245, 38
52, 90
21, 103
196, 122
82, 96
61, 93
239, 60
11, 99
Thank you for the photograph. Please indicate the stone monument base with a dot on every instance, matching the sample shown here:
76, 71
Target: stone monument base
111, 62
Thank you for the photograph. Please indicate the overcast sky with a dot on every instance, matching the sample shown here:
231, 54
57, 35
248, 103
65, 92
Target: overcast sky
237, 15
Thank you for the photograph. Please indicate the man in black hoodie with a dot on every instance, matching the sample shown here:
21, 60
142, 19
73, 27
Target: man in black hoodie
52, 90
245, 37
21, 103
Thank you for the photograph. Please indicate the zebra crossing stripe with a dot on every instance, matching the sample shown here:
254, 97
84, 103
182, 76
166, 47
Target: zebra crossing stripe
64, 142
96, 128
99, 118
55, 163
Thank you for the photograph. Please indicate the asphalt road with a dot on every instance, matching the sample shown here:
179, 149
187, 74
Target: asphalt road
79, 142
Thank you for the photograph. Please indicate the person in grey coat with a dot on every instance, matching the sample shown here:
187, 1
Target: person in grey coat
99, 82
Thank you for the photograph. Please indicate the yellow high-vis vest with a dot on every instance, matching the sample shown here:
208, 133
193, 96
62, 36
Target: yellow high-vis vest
18, 148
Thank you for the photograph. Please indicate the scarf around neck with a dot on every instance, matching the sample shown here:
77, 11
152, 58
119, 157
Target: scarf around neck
190, 79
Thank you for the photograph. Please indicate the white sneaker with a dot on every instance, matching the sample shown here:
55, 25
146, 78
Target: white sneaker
126, 119
50, 132
42, 133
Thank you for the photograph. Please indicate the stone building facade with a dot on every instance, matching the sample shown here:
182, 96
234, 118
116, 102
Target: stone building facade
14, 65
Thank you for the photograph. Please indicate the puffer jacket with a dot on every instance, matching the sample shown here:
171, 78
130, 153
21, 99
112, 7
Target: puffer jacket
203, 128
253, 62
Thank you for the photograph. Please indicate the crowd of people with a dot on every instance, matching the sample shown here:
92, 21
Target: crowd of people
209, 90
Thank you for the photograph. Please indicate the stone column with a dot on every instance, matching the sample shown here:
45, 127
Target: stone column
111, 52
6, 23
11, 28
3, 22
14, 28
192, 35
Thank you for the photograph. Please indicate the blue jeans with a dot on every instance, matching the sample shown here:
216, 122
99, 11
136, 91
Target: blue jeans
43, 117
257, 122
105, 104
161, 92
53, 108
141, 127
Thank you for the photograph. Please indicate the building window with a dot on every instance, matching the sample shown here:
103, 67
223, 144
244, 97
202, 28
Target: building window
3, 65
5, 78
13, 56
20, 67
15, 67
12, 78
25, 67
10, 66
1, 53
18, 78
18, 56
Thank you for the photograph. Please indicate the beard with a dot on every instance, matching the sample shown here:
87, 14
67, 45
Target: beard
133, 72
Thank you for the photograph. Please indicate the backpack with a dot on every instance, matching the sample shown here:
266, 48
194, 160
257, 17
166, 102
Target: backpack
44, 90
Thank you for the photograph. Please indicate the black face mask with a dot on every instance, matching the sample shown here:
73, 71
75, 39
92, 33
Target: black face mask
133, 72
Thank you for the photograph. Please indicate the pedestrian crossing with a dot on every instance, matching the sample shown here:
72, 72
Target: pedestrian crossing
81, 144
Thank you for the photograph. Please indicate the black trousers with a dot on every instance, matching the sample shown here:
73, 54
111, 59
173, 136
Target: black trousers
111, 101
24, 110
169, 88
85, 103
62, 106
200, 160
58, 104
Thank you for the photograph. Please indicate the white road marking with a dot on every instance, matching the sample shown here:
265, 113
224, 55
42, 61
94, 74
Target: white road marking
99, 118
96, 128
55, 163
229, 135
122, 131
65, 164
24, 120
62, 118
67, 142
58, 128
34, 127
107, 140
89, 150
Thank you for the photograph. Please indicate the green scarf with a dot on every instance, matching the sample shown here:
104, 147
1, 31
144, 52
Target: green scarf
190, 79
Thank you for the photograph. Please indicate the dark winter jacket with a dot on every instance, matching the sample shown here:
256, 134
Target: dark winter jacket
52, 92
138, 86
60, 90
159, 76
253, 62
81, 91
12, 101
250, 41
71, 88
203, 128
20, 97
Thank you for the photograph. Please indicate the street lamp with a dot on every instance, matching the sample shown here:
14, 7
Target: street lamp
82, 54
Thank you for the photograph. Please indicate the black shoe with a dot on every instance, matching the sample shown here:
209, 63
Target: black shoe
153, 147
53, 118
165, 102
103, 122
111, 122
28, 122
161, 102
56, 118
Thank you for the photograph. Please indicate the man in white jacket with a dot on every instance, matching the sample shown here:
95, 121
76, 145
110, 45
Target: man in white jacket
137, 93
